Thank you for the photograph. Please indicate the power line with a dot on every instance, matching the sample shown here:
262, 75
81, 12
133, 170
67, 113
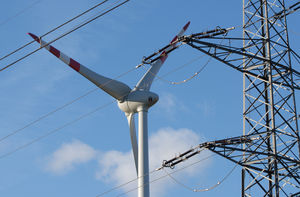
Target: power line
58, 109
80, 97
157, 179
124, 184
54, 29
20, 12
185, 80
201, 190
52, 112
184, 65
63, 35
61, 107
47, 115
54, 130
164, 176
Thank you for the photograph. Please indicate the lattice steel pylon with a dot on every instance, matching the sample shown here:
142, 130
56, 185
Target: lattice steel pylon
270, 147
269, 108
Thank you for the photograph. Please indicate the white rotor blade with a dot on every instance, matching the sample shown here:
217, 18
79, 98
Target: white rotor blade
114, 88
131, 123
146, 81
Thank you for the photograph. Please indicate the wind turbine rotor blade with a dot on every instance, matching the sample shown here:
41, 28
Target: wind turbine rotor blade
131, 123
113, 87
146, 81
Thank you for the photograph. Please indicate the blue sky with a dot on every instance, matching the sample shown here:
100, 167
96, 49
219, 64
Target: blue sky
93, 155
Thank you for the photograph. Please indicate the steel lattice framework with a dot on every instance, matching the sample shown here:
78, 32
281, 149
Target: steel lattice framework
269, 147
269, 108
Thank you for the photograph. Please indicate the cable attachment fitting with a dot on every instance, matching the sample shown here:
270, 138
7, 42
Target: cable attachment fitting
146, 60
168, 164
211, 33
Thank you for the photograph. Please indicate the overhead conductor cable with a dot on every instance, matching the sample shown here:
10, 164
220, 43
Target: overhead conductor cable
63, 35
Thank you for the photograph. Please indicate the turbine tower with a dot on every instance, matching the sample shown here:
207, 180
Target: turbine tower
131, 101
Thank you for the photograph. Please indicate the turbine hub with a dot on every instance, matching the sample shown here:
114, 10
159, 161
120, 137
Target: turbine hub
137, 99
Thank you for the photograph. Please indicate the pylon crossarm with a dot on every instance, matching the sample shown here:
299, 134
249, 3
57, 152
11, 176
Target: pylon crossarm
225, 149
206, 145
236, 154
181, 40
234, 57
224, 53
250, 157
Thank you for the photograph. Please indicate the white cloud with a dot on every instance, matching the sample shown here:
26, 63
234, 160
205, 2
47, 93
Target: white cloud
68, 155
118, 167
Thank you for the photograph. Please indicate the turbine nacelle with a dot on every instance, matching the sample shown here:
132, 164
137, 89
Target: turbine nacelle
136, 100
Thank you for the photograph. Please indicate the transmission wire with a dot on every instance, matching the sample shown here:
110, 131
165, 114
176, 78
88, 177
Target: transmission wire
184, 65
52, 112
164, 176
20, 12
47, 114
126, 183
169, 174
63, 35
52, 30
201, 190
189, 78
55, 130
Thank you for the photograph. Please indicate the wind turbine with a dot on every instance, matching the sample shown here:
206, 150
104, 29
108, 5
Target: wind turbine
131, 101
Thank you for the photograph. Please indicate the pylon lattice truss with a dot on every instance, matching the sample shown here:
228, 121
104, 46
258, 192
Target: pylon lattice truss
269, 108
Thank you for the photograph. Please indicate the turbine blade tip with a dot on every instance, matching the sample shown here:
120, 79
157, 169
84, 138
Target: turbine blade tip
34, 37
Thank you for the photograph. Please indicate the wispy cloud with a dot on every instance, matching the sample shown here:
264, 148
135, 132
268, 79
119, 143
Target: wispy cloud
118, 167
170, 104
207, 108
68, 155
167, 102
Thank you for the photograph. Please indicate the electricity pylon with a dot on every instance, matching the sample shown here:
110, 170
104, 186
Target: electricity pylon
269, 145
269, 108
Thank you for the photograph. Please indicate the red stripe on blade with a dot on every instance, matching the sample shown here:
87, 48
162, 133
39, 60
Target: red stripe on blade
74, 64
186, 26
174, 39
34, 37
54, 51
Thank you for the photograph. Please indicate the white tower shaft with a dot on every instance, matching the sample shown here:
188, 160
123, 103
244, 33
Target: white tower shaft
143, 155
